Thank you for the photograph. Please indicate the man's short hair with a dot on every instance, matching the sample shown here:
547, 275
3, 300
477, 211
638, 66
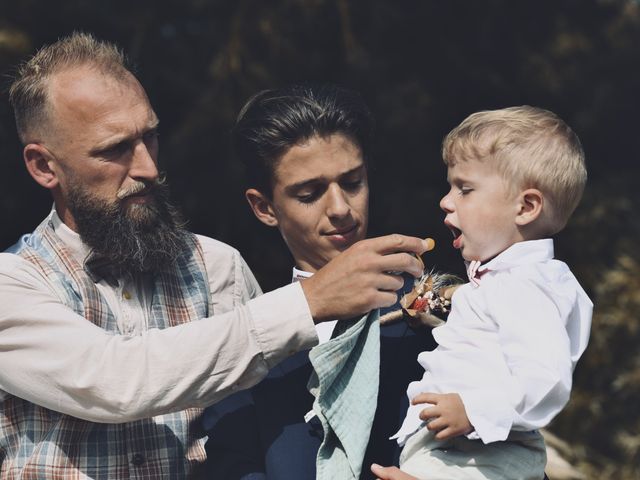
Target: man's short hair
273, 121
531, 148
28, 92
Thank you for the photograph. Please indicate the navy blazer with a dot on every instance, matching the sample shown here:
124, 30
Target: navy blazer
260, 434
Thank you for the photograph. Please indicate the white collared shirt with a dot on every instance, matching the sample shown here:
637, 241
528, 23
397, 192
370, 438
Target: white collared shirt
323, 329
55, 358
510, 344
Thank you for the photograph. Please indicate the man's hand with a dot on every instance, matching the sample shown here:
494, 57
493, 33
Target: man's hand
390, 473
447, 416
363, 277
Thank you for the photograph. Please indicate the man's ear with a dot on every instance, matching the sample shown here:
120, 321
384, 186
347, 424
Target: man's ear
262, 207
40, 165
530, 206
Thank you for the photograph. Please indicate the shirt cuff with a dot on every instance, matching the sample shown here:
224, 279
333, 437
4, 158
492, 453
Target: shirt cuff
489, 414
283, 323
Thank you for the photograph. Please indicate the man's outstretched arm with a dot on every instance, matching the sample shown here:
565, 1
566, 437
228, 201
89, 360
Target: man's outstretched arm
55, 358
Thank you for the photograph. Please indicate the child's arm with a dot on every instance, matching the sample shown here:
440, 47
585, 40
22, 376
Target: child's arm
447, 416
536, 329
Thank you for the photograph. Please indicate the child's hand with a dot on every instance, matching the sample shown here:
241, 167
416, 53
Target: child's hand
447, 416
390, 473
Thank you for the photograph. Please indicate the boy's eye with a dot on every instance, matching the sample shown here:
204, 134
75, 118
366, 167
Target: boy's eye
465, 190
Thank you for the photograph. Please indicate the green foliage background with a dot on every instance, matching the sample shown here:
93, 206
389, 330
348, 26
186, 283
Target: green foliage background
422, 66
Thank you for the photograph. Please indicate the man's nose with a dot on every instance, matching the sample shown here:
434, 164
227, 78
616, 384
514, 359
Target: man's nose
337, 203
144, 163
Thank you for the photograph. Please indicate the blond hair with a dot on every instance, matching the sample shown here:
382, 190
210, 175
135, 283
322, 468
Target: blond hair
531, 148
28, 91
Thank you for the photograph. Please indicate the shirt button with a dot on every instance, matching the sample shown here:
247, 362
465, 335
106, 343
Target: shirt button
137, 459
126, 295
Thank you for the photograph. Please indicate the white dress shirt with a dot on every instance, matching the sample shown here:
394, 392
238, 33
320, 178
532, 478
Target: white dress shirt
55, 358
323, 329
510, 344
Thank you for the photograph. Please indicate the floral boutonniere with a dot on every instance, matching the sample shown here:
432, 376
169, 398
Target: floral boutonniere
429, 301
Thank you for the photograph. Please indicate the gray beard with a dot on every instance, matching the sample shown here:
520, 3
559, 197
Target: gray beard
138, 239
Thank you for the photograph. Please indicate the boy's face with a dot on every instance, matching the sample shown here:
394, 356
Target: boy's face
481, 212
320, 199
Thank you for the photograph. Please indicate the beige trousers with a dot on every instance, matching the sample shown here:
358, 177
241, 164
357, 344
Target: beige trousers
521, 457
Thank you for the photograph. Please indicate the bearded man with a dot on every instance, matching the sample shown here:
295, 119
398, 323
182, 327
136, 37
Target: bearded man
116, 324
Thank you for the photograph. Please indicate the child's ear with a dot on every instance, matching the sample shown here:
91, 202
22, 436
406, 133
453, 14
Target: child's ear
530, 206
40, 165
262, 207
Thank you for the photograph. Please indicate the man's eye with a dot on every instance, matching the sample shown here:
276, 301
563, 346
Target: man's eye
151, 136
307, 197
116, 150
353, 185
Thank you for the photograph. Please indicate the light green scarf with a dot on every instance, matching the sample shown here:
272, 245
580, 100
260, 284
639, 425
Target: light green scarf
345, 386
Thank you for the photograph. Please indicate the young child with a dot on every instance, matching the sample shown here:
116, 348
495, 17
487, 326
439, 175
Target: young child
516, 331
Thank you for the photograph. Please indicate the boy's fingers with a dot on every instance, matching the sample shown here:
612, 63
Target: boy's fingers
390, 473
425, 397
444, 434
428, 413
436, 425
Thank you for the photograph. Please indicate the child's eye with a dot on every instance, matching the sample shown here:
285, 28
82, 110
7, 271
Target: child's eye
465, 190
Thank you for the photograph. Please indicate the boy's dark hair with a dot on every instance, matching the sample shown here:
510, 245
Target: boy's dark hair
273, 121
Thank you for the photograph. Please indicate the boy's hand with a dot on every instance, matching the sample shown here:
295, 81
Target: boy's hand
363, 277
390, 473
447, 416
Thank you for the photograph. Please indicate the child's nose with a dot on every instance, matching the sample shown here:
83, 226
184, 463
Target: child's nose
446, 204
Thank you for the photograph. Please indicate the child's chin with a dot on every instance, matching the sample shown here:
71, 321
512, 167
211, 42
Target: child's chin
467, 256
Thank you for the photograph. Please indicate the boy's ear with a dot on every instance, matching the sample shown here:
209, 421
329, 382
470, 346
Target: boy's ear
261, 206
530, 206
40, 165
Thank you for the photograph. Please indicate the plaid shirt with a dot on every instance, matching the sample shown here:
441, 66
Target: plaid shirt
37, 443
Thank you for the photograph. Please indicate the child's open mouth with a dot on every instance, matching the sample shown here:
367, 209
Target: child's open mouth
457, 235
